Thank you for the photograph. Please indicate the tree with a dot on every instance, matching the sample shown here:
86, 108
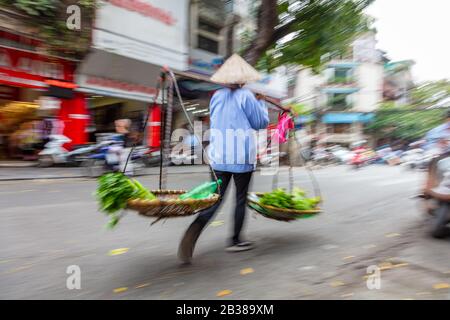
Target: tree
430, 93
302, 31
49, 18
404, 123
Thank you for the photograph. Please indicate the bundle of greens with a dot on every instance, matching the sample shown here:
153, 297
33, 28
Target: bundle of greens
296, 200
113, 192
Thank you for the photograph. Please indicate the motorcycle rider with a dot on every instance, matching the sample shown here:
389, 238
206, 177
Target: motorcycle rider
438, 182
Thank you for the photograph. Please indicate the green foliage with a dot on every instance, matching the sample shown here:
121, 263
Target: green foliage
296, 200
113, 192
404, 123
49, 18
430, 93
317, 28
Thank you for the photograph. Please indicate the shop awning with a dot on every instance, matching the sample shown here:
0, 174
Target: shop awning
337, 90
108, 74
304, 119
347, 117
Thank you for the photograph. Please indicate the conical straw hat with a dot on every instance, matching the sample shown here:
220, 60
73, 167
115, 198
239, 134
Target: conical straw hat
235, 70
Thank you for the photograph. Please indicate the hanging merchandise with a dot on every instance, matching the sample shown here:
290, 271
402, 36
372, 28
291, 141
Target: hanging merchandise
161, 203
164, 203
284, 126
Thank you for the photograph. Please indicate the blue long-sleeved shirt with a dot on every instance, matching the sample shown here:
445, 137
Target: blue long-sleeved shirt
436, 134
235, 116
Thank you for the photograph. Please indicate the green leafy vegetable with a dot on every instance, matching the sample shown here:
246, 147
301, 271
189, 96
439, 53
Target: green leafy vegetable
296, 200
113, 192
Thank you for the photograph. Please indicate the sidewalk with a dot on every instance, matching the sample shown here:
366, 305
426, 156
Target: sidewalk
10, 173
17, 164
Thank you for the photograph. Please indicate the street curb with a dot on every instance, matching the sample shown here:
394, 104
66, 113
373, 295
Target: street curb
86, 177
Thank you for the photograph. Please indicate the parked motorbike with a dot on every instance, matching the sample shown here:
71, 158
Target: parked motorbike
362, 157
108, 159
436, 195
54, 152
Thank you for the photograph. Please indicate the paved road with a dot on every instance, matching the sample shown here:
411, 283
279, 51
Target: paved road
48, 225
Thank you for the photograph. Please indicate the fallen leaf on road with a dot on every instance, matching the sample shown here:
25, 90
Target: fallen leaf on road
337, 283
329, 247
307, 268
392, 235
143, 285
224, 293
348, 257
217, 223
438, 286
247, 271
116, 252
425, 293
385, 266
119, 290
21, 268
399, 265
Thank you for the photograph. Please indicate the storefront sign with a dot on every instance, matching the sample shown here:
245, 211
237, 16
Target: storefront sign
203, 62
116, 88
146, 9
28, 69
150, 31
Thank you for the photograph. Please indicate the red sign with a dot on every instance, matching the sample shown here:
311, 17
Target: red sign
119, 85
146, 9
29, 69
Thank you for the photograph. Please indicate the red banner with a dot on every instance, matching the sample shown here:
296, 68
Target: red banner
28, 69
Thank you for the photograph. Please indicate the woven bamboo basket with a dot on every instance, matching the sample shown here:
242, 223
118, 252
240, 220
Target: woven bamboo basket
169, 206
280, 214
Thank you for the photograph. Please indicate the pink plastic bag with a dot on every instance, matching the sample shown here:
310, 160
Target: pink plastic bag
285, 124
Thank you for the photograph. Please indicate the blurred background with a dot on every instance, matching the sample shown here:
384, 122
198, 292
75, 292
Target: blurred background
369, 80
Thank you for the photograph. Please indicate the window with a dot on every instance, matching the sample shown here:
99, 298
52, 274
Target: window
339, 128
208, 27
208, 44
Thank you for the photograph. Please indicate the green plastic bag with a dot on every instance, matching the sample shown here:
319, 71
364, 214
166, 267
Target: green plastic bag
203, 191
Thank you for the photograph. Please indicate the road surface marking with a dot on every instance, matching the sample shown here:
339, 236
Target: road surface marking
143, 285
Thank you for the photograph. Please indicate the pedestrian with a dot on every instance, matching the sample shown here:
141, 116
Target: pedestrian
232, 109
123, 128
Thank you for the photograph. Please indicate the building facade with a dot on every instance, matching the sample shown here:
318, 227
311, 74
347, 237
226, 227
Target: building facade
344, 95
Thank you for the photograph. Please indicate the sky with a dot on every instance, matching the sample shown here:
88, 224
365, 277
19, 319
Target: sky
418, 30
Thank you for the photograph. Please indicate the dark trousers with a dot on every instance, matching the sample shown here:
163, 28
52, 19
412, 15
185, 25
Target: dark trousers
241, 181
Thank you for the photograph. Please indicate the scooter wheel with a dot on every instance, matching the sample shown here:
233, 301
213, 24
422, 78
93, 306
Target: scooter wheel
45, 161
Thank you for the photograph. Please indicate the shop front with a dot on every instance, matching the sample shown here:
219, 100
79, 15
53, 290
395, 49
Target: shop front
120, 74
26, 78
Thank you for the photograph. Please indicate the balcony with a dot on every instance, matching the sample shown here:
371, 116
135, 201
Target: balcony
345, 81
343, 138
